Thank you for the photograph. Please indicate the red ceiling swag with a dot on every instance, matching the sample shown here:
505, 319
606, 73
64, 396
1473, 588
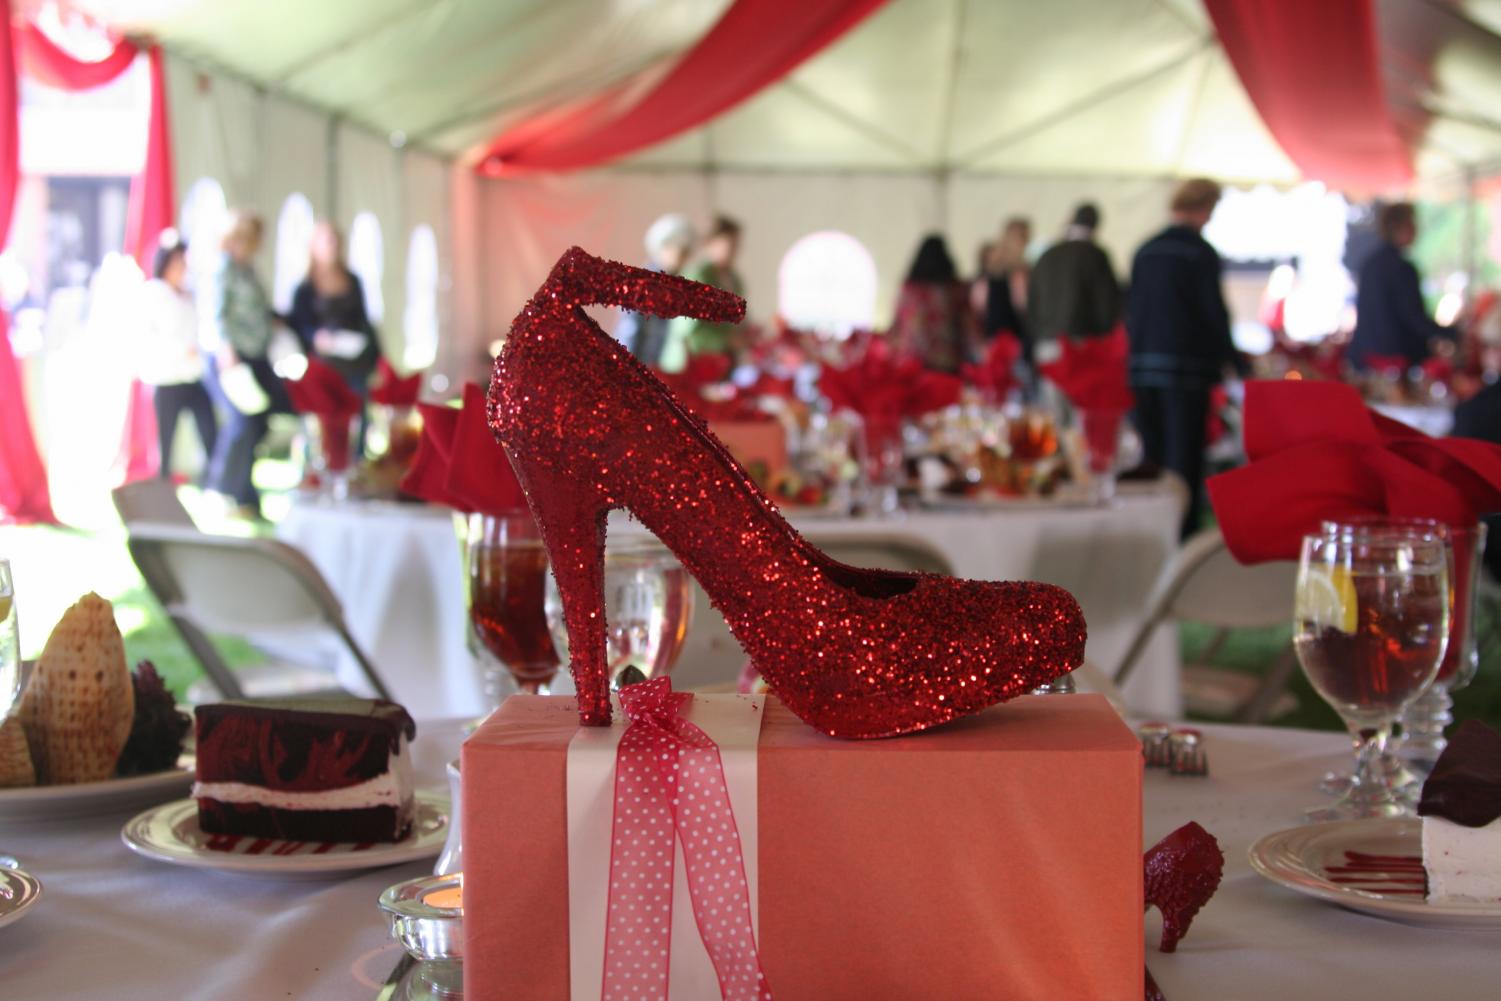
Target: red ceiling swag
23, 479
1311, 68
150, 207
755, 44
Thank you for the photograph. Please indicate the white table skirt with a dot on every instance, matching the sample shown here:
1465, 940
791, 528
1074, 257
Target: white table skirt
112, 925
397, 569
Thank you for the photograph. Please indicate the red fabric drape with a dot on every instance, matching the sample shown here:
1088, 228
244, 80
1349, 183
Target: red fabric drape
151, 195
46, 62
754, 44
1312, 70
23, 478
149, 210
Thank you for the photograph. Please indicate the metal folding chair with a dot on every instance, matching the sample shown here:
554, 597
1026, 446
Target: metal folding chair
241, 587
1204, 584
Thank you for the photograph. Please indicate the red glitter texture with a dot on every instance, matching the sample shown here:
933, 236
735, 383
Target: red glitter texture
854, 652
1182, 872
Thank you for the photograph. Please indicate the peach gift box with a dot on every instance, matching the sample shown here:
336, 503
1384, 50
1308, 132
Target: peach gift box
998, 857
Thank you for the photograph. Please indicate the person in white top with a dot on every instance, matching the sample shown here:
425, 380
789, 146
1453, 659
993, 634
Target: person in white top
171, 361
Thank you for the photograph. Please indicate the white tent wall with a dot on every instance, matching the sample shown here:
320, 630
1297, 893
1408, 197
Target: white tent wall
261, 148
370, 180
529, 222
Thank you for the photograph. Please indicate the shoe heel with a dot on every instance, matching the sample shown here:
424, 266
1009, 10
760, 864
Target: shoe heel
572, 520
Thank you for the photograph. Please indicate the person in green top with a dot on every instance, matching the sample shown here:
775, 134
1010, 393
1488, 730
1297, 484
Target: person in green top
687, 336
240, 325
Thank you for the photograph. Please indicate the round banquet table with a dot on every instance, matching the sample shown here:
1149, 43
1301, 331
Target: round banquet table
113, 925
397, 570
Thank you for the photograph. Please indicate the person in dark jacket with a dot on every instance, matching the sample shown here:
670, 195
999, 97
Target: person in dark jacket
1389, 315
328, 312
1073, 291
1179, 331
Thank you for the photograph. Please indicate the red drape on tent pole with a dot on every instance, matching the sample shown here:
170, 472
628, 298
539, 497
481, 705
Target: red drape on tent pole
151, 196
1313, 72
23, 478
149, 210
46, 62
755, 44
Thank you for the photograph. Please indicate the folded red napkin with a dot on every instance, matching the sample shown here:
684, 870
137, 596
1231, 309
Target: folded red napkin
460, 464
394, 390
995, 375
1318, 453
1091, 372
322, 393
885, 390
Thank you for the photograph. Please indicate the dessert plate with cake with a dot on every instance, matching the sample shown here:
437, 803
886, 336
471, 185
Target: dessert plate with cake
1442, 867
89, 736
298, 786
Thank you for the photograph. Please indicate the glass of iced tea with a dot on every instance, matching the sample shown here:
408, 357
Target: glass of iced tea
508, 576
1370, 626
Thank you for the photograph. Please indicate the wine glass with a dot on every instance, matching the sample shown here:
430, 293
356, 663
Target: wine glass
10, 642
1370, 625
1423, 722
1100, 427
506, 564
648, 610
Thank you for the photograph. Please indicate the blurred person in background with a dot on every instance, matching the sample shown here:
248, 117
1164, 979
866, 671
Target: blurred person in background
1073, 291
238, 315
669, 241
328, 312
171, 361
1390, 318
687, 336
934, 322
1179, 330
1006, 285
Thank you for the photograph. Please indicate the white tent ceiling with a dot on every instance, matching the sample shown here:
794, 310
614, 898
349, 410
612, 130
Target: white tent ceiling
1063, 87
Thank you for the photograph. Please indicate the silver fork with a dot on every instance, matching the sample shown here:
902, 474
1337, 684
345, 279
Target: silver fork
1187, 753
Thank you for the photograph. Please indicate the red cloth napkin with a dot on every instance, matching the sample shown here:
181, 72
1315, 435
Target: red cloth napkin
1317, 453
995, 375
460, 464
323, 393
1091, 372
394, 390
884, 390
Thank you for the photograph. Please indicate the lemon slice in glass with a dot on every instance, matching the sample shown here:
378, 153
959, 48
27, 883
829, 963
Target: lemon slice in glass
4, 605
1327, 598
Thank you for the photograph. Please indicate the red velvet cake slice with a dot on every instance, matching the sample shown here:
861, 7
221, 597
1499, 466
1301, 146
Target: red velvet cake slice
309, 769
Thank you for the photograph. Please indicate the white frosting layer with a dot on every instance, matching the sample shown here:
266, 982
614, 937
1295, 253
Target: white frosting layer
1463, 863
391, 788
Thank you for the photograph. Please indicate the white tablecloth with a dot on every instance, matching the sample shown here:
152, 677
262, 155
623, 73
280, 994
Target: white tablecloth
112, 925
397, 569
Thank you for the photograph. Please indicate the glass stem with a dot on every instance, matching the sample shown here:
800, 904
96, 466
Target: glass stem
1370, 746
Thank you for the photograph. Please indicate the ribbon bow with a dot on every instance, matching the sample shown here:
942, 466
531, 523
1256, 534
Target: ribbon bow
669, 780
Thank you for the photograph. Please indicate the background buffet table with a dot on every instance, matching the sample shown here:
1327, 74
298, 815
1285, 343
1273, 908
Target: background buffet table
109, 919
397, 569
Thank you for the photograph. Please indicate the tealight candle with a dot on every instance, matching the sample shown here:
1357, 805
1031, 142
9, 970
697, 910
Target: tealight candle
427, 917
449, 897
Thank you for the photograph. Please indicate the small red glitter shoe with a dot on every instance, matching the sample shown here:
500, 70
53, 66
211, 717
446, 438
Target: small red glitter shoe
854, 652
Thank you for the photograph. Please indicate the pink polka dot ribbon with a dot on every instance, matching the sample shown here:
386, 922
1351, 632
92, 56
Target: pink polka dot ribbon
669, 781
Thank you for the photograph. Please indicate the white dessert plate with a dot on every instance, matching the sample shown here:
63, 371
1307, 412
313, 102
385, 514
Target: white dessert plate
92, 799
170, 833
1301, 859
18, 892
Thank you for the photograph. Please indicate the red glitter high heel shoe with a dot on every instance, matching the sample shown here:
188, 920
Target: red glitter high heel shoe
854, 652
